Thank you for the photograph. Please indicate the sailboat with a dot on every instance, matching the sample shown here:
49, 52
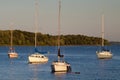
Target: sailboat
37, 56
60, 65
11, 52
103, 53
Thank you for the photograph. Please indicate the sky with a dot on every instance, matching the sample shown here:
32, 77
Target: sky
77, 17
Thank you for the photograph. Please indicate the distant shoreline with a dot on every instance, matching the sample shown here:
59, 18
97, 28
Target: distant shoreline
27, 38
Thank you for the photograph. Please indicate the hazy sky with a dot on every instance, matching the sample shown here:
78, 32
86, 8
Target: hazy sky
77, 16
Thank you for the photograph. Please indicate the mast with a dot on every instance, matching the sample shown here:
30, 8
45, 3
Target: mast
103, 30
59, 24
36, 21
11, 38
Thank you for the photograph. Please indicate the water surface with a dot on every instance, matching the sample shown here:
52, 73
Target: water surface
83, 59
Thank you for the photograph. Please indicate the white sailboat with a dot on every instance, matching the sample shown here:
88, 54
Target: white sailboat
60, 65
11, 52
103, 53
37, 57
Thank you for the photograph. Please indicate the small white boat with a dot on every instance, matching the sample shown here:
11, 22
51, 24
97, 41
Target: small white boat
12, 53
103, 53
60, 65
37, 58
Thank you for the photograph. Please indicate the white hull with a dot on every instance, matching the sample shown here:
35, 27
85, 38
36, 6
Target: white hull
37, 58
12, 55
104, 55
60, 67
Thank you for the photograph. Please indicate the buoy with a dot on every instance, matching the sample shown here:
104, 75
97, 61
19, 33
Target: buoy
75, 72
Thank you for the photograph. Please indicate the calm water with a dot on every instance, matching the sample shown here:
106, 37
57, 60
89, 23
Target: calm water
83, 59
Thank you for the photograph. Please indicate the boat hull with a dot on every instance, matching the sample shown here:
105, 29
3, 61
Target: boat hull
60, 67
37, 58
12, 55
104, 55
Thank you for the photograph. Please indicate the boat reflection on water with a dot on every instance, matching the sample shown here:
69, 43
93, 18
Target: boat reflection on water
59, 73
34, 69
11, 70
103, 69
37, 63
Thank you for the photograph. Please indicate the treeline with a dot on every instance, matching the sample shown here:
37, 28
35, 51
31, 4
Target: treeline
27, 38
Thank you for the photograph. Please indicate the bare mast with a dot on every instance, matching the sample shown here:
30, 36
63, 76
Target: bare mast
11, 38
36, 21
59, 23
103, 30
